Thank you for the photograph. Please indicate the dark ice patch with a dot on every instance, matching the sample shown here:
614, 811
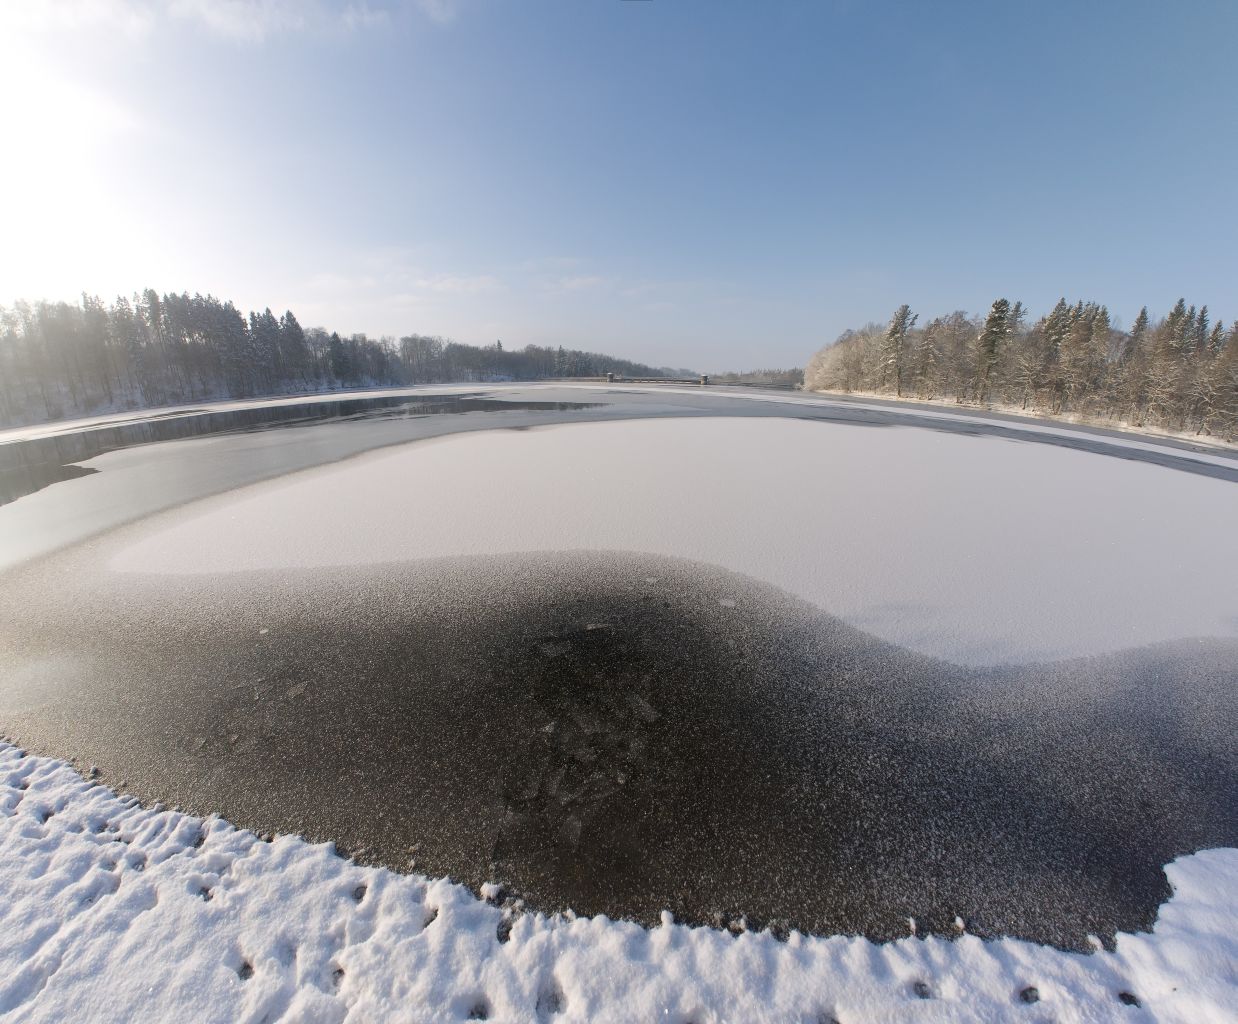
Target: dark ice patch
597, 731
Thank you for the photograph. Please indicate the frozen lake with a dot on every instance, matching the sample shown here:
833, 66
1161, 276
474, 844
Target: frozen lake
977, 550
830, 665
758, 660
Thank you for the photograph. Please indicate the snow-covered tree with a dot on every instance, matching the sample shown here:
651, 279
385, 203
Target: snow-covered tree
892, 348
997, 327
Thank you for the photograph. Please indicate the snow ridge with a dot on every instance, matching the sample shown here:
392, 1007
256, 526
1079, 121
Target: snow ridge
110, 911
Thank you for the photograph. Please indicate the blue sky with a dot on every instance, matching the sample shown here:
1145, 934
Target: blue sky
707, 184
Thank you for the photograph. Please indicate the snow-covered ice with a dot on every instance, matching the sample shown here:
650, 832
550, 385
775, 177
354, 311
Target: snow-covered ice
114, 912
980, 550
1201, 449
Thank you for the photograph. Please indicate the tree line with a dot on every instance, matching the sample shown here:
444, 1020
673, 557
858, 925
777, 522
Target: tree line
61, 359
1177, 373
793, 378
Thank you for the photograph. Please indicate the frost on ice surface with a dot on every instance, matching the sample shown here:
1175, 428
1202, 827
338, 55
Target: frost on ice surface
114, 912
978, 550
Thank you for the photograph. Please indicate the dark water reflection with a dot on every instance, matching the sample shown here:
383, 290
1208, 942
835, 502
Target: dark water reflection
29, 466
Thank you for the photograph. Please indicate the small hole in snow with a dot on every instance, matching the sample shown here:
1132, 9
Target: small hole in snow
431, 917
1031, 994
358, 893
245, 971
1129, 999
922, 990
480, 1010
779, 929
337, 976
504, 931
550, 1000
200, 839
205, 893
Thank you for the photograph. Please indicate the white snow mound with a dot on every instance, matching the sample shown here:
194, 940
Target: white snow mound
114, 912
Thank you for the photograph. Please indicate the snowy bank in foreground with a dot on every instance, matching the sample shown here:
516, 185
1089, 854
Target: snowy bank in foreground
113, 912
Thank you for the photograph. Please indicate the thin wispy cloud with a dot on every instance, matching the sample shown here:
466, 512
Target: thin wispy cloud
455, 284
579, 283
128, 17
359, 16
391, 282
246, 21
441, 12
550, 265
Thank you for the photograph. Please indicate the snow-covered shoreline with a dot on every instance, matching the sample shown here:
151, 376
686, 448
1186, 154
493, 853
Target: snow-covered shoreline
1017, 414
114, 912
1204, 449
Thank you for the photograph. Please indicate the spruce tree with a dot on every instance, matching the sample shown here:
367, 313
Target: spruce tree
294, 351
1139, 330
1216, 340
997, 327
926, 368
1101, 326
892, 348
1175, 325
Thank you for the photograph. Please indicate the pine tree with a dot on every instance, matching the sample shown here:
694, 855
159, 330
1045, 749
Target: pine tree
892, 348
1101, 326
1057, 327
1216, 340
1055, 330
1175, 325
1018, 312
294, 351
1224, 374
1139, 330
927, 374
341, 364
1200, 338
997, 327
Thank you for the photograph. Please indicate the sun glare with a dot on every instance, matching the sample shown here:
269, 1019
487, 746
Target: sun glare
64, 225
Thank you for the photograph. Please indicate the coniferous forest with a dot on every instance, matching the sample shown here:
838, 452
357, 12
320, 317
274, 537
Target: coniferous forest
60, 360
1179, 373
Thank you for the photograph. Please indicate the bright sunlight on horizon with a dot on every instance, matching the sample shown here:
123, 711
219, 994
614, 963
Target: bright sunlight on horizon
674, 183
